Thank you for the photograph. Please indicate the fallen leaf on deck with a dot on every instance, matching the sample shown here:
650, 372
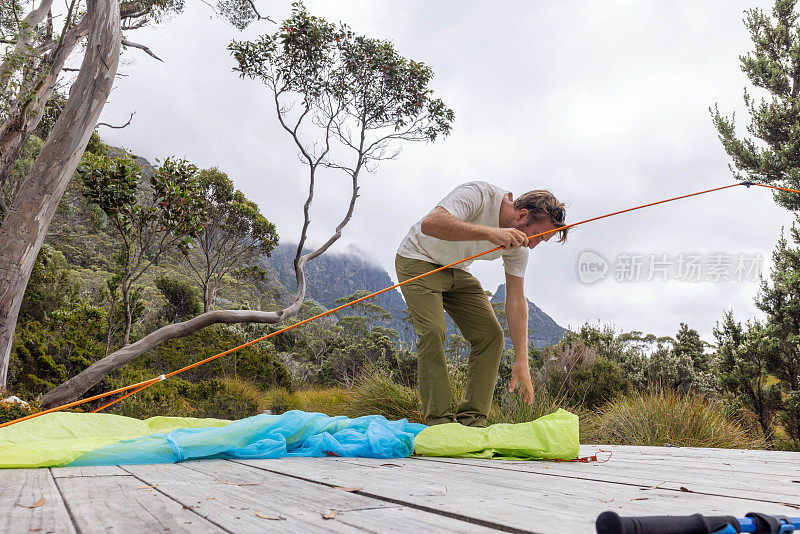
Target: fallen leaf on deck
341, 488
270, 517
653, 487
146, 487
640, 498
687, 490
37, 504
238, 483
723, 463
329, 515
601, 500
391, 465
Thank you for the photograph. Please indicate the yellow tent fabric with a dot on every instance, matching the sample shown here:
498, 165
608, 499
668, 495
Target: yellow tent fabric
552, 437
60, 437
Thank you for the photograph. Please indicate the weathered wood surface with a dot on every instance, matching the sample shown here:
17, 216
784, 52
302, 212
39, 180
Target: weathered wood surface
401, 495
20, 489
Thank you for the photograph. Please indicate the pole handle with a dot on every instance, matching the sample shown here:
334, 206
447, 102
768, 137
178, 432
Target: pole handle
613, 523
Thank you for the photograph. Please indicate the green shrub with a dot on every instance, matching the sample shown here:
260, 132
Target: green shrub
224, 399
218, 398
280, 400
257, 362
183, 299
45, 354
14, 410
593, 383
666, 416
162, 398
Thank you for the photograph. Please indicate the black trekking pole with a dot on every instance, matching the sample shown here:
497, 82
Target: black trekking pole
613, 523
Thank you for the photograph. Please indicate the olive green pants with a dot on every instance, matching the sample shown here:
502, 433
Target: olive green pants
461, 295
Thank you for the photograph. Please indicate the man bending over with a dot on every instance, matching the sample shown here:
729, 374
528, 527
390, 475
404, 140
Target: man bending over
474, 217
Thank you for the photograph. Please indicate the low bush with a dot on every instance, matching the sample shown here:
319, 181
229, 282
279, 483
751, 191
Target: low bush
218, 398
14, 410
279, 400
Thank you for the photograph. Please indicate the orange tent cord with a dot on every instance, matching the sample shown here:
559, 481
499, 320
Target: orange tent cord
142, 385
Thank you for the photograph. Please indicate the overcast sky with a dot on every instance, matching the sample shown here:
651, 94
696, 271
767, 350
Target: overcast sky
603, 103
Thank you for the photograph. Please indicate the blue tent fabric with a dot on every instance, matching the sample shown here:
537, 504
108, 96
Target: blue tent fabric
294, 433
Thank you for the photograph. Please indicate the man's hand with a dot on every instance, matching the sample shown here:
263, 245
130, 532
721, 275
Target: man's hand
508, 238
521, 374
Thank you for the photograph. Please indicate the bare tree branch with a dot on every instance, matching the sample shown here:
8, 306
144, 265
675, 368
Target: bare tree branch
149, 52
260, 17
117, 127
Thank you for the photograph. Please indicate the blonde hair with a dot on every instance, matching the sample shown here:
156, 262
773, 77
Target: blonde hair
542, 205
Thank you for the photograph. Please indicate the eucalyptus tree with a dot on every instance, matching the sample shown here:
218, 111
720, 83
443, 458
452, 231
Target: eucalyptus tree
357, 94
346, 101
148, 224
235, 233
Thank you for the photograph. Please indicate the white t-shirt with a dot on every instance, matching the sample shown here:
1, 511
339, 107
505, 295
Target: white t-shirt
475, 202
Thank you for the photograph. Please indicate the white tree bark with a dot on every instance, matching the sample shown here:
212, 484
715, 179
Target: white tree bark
26, 222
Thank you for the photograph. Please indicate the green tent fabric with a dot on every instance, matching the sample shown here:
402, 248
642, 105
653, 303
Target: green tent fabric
552, 437
60, 437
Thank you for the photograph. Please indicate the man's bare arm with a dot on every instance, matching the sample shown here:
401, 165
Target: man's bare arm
517, 316
517, 319
441, 224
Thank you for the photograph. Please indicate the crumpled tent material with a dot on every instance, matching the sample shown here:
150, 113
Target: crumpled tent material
60, 439
552, 437
76, 439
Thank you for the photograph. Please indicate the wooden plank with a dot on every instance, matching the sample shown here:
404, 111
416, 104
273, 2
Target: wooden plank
91, 471
230, 494
22, 488
753, 463
125, 504
774, 488
524, 501
789, 457
713, 459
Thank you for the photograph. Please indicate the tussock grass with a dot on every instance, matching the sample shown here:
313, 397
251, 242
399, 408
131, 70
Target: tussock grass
330, 401
664, 416
375, 393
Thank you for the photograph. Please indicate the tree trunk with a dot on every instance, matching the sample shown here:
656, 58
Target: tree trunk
26, 222
206, 297
126, 312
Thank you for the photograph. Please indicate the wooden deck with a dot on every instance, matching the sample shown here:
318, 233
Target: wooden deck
417, 495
